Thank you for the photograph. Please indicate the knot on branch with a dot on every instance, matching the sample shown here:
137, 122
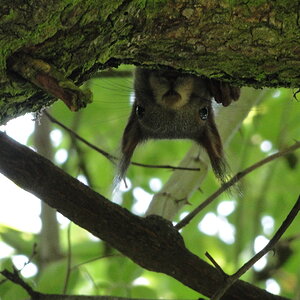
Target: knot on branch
165, 228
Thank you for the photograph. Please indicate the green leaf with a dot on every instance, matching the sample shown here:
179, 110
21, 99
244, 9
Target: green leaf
52, 278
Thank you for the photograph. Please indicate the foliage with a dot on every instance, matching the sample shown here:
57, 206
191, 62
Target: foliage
97, 269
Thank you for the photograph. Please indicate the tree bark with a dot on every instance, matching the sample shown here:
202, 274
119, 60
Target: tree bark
151, 242
254, 43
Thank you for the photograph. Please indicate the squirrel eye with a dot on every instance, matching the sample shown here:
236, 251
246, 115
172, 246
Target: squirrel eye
203, 113
140, 111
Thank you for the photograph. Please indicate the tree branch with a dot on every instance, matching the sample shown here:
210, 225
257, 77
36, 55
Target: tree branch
151, 242
271, 244
233, 181
15, 277
236, 41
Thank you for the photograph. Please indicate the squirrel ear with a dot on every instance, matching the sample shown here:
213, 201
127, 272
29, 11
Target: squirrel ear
223, 92
211, 141
132, 136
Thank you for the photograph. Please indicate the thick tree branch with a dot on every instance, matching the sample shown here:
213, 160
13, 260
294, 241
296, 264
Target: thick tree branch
254, 43
151, 242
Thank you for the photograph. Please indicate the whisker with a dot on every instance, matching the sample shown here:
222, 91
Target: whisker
106, 84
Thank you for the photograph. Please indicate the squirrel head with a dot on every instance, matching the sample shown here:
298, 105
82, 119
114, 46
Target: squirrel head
173, 105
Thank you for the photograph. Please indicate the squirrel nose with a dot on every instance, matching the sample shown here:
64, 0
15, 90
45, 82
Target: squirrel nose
170, 98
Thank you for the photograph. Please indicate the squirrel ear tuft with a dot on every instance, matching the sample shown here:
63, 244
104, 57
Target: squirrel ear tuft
211, 141
223, 92
132, 136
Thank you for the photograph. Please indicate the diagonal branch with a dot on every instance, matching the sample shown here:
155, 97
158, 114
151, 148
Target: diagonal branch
151, 242
233, 181
271, 244
15, 277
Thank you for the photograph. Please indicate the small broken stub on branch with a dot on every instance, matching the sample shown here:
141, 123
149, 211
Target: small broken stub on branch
51, 80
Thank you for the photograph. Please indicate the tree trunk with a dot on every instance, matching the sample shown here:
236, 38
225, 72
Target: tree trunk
151, 242
49, 245
254, 43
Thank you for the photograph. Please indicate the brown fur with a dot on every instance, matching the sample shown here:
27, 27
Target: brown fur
172, 105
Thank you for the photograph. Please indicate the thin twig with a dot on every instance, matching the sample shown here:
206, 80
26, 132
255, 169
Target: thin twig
232, 181
96, 258
230, 280
110, 157
33, 254
80, 154
73, 133
15, 277
217, 266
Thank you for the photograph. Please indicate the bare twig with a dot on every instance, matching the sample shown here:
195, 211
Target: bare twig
73, 133
33, 254
110, 157
230, 280
217, 266
15, 277
96, 258
74, 145
234, 180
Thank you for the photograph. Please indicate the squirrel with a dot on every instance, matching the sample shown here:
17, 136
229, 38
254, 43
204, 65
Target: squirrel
170, 104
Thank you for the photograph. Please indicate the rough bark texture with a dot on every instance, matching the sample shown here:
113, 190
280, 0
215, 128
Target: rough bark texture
246, 42
151, 242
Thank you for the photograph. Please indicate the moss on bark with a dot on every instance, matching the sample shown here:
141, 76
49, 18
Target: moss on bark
254, 43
